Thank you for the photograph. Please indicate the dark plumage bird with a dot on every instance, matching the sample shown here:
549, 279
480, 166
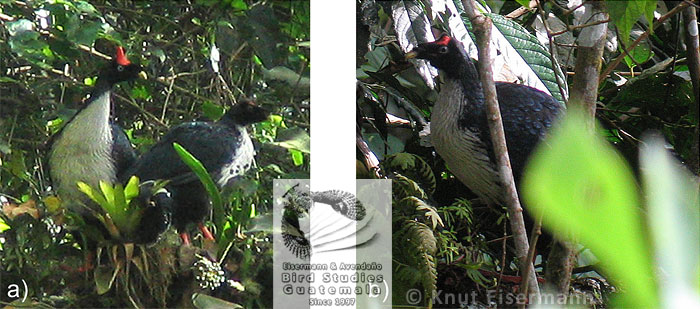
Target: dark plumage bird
459, 128
223, 147
157, 204
89, 148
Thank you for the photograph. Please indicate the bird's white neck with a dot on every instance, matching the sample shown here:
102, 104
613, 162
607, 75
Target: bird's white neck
82, 151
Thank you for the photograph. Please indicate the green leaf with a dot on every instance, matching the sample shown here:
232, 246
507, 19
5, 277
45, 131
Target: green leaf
4, 79
85, 7
140, 92
27, 43
196, 166
294, 138
87, 33
132, 188
583, 187
525, 3
639, 54
674, 213
90, 81
625, 13
119, 198
93, 195
108, 192
3, 226
297, 157
212, 111
239, 5
205, 301
535, 54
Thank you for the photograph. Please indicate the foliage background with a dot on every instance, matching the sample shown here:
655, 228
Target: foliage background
50, 53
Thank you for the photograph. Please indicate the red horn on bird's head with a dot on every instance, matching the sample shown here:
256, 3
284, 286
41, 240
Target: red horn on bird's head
443, 40
121, 57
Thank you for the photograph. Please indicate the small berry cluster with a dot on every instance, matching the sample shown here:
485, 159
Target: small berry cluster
209, 274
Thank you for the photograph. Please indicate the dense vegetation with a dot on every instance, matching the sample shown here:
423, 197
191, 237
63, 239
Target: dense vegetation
445, 241
200, 57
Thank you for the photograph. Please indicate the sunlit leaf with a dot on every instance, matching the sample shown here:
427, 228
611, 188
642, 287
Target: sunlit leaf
294, 138
209, 184
674, 218
585, 190
132, 188
297, 157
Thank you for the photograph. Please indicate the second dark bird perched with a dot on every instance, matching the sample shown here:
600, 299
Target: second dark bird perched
224, 148
459, 129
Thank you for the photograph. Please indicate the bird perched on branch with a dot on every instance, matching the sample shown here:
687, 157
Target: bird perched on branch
90, 148
223, 147
459, 128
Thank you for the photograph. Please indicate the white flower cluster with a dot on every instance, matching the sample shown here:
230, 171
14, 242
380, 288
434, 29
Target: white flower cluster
209, 274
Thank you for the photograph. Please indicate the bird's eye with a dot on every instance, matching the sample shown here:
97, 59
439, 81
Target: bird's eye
443, 49
120, 68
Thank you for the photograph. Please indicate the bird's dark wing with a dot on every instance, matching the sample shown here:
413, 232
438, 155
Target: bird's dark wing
212, 144
527, 115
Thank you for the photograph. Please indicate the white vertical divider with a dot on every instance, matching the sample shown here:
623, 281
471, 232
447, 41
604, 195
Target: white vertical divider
332, 95
332, 115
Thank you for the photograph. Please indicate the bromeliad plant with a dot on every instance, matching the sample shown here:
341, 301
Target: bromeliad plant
121, 212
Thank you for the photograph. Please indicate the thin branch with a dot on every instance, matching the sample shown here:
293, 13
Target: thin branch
482, 26
142, 110
167, 99
569, 28
691, 40
534, 236
552, 58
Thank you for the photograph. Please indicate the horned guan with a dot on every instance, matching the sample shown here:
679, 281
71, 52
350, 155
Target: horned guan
223, 147
459, 129
90, 148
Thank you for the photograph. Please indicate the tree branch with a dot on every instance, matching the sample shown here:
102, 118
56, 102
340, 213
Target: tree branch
691, 40
482, 30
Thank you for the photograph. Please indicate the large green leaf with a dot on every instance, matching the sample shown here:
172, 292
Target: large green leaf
525, 55
533, 52
209, 184
585, 190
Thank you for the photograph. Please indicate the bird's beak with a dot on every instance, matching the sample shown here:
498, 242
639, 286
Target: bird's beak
412, 54
143, 75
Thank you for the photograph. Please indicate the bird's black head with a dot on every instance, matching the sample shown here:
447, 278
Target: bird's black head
157, 204
119, 70
245, 113
154, 194
444, 53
